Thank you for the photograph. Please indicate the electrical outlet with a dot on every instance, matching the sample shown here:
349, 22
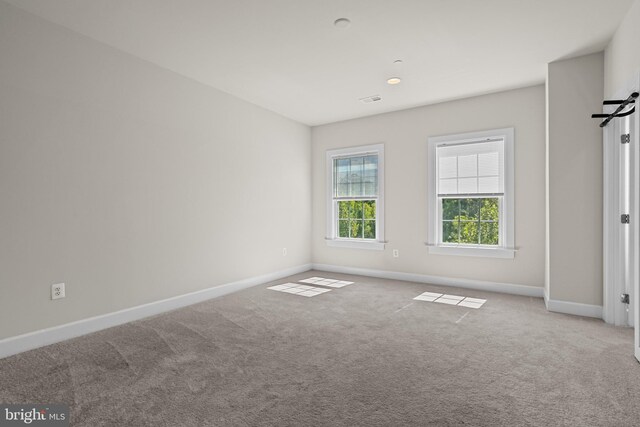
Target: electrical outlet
396, 253
57, 291
284, 251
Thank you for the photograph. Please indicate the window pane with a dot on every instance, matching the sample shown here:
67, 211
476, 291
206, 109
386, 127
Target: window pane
356, 210
370, 209
341, 176
469, 209
489, 210
450, 209
350, 219
343, 210
450, 231
489, 233
370, 176
369, 229
356, 229
471, 221
356, 175
343, 228
469, 232
346, 209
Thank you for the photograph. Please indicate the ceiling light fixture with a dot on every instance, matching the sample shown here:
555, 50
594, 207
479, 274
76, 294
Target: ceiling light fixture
394, 80
342, 23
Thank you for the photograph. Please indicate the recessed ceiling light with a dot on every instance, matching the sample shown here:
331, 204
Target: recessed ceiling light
342, 23
394, 80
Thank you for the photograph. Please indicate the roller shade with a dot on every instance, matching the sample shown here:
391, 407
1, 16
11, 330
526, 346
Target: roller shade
472, 168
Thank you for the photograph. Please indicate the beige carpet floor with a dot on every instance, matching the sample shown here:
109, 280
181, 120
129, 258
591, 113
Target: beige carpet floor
362, 355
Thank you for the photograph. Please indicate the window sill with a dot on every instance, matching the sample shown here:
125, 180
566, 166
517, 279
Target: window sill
472, 251
356, 244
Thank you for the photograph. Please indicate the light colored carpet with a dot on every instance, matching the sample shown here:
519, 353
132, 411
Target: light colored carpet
362, 355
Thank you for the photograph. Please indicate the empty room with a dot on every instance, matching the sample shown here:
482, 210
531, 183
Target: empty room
319, 213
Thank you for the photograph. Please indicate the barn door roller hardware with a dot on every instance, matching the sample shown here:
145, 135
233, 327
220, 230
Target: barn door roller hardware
624, 298
621, 103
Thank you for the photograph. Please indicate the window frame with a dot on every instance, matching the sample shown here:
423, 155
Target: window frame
506, 248
332, 238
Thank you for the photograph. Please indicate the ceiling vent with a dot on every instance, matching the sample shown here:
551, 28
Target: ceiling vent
370, 99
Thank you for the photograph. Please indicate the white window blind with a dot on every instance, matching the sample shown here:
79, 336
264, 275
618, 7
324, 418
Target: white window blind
471, 168
355, 177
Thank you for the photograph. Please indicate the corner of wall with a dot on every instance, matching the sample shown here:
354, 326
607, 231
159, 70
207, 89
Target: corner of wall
574, 274
547, 252
622, 55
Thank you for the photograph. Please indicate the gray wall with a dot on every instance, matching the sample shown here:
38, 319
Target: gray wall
622, 56
574, 172
130, 183
405, 134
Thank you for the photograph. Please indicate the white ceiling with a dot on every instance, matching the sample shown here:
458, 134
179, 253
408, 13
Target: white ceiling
287, 56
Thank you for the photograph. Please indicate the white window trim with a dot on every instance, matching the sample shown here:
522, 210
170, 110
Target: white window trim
507, 249
331, 238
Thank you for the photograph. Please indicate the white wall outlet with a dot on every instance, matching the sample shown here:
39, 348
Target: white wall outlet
396, 253
284, 251
57, 291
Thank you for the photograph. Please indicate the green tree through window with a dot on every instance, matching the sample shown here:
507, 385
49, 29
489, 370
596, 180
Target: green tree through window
357, 219
471, 221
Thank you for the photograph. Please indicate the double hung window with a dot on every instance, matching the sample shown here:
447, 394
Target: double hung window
471, 188
355, 197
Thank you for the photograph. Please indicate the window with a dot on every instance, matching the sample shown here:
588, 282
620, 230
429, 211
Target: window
471, 194
355, 181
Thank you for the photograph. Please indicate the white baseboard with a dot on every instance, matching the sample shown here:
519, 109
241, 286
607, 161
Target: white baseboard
575, 308
482, 285
18, 344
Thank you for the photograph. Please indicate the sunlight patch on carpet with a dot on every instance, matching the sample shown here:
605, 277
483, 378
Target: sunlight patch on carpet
331, 283
297, 289
451, 299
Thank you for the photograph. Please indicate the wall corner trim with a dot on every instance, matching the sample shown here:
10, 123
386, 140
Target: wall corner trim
546, 298
574, 308
507, 288
32, 340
